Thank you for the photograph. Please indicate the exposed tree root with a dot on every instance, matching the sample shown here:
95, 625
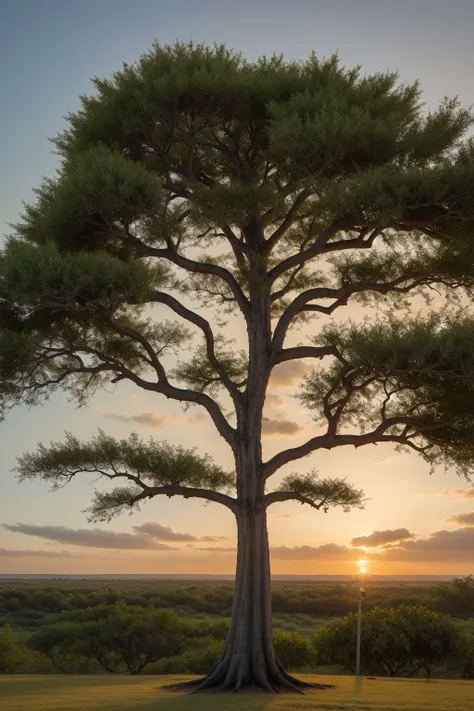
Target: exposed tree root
223, 680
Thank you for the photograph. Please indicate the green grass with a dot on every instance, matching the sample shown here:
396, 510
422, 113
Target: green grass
70, 693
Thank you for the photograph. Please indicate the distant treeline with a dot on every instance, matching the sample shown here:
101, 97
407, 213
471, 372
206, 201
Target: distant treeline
27, 603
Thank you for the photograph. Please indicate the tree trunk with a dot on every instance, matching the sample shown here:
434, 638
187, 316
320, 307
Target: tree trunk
248, 660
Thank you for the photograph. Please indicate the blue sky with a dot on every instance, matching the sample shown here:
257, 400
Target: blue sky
49, 49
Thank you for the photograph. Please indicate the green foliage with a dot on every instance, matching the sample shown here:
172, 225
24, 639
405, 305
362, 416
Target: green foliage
199, 374
148, 464
457, 598
195, 148
10, 656
96, 190
324, 493
297, 606
412, 372
395, 642
126, 637
292, 650
83, 638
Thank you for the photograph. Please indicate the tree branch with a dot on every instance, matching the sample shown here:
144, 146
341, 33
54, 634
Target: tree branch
321, 246
163, 385
340, 297
188, 492
276, 496
298, 352
172, 255
331, 440
203, 324
288, 220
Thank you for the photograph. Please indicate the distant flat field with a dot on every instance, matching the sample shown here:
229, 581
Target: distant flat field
125, 693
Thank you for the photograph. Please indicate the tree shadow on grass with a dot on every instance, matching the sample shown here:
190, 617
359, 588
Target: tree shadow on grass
243, 701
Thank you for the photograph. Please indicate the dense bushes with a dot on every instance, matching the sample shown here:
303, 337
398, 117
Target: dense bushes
120, 639
161, 628
29, 604
400, 642
405, 641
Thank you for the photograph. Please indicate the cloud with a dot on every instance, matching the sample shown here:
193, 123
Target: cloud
328, 551
466, 519
273, 401
283, 515
148, 419
381, 538
165, 533
440, 547
283, 428
147, 536
90, 537
5, 553
288, 373
458, 493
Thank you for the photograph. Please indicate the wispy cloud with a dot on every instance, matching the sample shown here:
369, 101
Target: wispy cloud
7, 553
147, 536
90, 537
439, 547
166, 533
281, 428
464, 519
148, 419
382, 538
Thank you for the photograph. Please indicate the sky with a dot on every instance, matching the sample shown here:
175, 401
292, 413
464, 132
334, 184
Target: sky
412, 523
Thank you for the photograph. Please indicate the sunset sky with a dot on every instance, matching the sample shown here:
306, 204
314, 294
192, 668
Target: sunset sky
412, 523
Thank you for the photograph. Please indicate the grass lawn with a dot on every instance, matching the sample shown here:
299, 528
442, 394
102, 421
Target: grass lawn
124, 693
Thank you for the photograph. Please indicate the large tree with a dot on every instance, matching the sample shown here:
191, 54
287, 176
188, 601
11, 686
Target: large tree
202, 186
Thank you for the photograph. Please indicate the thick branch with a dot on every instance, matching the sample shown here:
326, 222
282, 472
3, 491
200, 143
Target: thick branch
188, 492
190, 265
330, 440
340, 297
298, 352
277, 496
163, 385
203, 324
323, 246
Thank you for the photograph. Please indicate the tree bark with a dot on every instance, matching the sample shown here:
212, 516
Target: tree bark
248, 660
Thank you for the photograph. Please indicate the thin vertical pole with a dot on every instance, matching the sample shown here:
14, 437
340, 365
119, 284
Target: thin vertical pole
359, 619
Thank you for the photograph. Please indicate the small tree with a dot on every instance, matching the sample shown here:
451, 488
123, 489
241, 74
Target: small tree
138, 636
119, 638
11, 657
276, 192
62, 645
399, 642
457, 597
